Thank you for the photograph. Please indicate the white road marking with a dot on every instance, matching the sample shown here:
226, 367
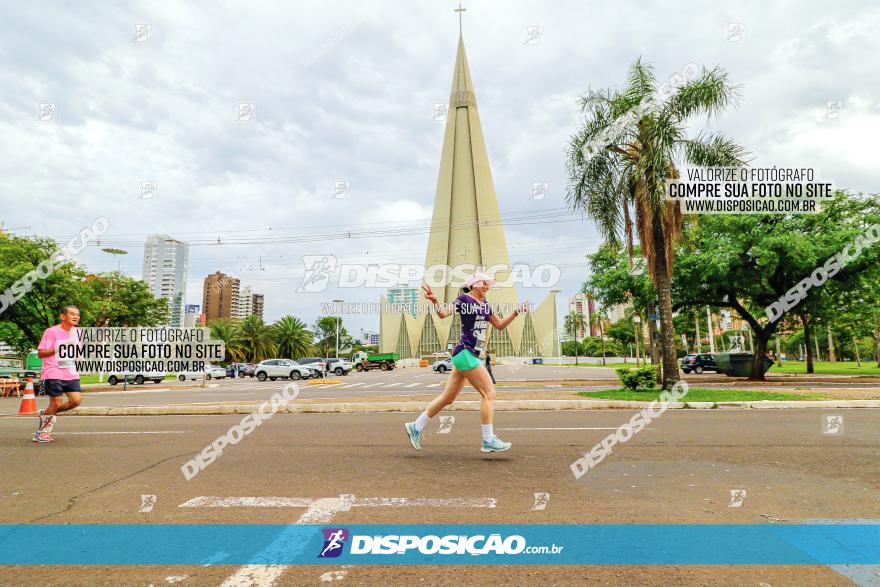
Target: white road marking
320, 511
330, 385
206, 501
335, 575
353, 385
562, 429
393, 384
412, 384
399, 502
435, 385
130, 432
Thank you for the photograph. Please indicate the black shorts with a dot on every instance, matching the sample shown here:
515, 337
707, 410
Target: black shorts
57, 387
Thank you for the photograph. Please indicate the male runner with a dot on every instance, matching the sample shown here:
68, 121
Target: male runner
59, 377
476, 314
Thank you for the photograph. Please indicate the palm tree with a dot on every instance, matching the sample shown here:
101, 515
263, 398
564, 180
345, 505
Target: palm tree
292, 337
255, 338
574, 322
227, 330
623, 152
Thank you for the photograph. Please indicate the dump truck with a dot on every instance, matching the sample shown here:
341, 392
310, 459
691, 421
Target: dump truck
364, 362
12, 367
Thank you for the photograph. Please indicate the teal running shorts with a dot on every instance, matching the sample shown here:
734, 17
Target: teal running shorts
465, 360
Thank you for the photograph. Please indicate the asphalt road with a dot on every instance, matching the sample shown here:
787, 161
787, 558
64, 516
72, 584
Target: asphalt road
681, 469
395, 383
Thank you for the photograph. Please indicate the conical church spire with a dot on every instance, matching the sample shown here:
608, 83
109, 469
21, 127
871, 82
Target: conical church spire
466, 229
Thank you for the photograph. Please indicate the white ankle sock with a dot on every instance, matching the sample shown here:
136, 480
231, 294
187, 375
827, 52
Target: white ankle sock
488, 434
422, 421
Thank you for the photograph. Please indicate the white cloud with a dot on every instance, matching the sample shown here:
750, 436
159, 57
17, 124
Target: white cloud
343, 92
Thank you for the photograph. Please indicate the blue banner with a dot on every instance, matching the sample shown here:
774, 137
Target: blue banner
601, 544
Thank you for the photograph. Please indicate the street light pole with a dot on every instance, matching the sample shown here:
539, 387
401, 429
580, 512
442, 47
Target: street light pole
556, 327
338, 318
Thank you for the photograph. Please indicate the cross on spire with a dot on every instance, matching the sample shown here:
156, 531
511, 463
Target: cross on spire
459, 10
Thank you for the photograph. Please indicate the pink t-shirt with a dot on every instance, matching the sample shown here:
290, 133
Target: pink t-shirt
51, 339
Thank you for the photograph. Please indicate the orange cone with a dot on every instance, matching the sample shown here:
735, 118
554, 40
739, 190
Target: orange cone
29, 401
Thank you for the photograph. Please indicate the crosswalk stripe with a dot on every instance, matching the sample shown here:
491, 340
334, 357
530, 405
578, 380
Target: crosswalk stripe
435, 385
412, 384
392, 384
352, 385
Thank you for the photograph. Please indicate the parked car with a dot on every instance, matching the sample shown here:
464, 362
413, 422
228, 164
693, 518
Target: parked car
314, 362
138, 378
273, 369
339, 366
442, 366
210, 372
243, 369
698, 363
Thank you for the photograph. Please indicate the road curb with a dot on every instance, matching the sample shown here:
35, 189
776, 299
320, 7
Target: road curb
464, 406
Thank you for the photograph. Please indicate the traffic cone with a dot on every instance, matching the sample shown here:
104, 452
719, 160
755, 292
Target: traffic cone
29, 401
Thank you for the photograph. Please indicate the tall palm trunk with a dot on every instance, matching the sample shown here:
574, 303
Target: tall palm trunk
667, 331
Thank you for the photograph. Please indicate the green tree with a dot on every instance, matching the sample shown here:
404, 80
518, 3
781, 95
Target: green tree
120, 300
254, 338
630, 143
292, 338
573, 323
226, 330
40, 307
325, 335
747, 262
622, 332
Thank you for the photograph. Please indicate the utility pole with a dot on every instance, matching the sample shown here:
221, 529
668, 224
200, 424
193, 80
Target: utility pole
636, 321
338, 318
699, 347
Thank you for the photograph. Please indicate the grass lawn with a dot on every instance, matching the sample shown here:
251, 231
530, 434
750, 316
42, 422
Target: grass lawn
94, 379
825, 368
552, 363
696, 394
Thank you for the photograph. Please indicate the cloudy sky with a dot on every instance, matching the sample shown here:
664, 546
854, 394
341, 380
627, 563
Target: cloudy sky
344, 92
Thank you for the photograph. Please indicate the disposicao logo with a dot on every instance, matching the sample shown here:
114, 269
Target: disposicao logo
334, 540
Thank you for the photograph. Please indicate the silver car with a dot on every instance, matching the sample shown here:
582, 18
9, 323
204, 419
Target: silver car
273, 369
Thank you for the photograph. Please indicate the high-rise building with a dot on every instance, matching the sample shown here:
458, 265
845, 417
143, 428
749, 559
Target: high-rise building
221, 296
192, 316
165, 270
466, 229
617, 312
406, 297
257, 303
582, 305
369, 337
245, 303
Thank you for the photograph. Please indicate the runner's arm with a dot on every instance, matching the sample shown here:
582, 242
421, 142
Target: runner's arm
46, 348
501, 323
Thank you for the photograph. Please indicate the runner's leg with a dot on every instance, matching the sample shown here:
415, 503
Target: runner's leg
450, 392
481, 381
453, 388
